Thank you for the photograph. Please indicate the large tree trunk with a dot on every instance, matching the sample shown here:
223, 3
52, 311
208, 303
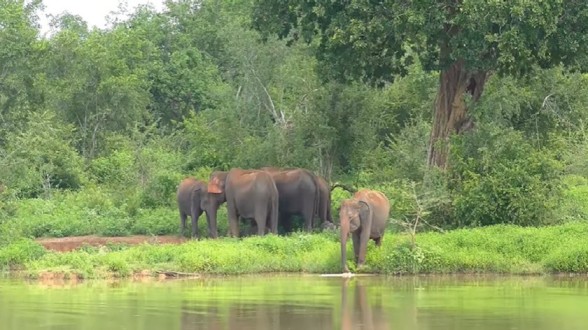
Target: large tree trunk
450, 115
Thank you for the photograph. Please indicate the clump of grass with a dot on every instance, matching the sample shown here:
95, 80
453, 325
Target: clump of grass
95, 211
19, 252
496, 249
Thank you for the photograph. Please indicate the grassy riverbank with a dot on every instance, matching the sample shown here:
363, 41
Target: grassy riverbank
495, 249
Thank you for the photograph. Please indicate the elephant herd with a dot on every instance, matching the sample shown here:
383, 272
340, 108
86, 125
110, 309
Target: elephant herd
271, 196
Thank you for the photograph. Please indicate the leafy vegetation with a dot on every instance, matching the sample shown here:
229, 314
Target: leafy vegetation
499, 249
97, 127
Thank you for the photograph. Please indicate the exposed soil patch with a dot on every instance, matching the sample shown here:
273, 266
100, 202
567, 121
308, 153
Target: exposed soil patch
64, 244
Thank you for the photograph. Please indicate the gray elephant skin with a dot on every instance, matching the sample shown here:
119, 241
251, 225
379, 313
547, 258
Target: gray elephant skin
294, 189
298, 195
250, 194
191, 198
365, 215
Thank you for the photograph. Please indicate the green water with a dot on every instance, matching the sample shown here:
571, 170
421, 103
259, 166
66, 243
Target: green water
300, 302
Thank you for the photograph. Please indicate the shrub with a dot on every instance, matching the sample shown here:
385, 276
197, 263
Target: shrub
574, 204
20, 252
499, 177
41, 158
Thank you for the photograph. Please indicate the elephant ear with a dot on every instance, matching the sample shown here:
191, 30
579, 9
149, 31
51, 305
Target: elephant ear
364, 210
214, 186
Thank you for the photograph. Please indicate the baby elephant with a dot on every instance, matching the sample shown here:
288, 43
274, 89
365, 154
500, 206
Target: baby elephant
365, 216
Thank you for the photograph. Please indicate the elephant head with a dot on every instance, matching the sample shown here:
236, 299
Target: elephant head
215, 196
216, 182
352, 215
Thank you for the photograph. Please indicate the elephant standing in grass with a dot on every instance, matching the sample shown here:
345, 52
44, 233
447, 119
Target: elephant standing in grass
191, 197
298, 195
297, 187
249, 194
365, 216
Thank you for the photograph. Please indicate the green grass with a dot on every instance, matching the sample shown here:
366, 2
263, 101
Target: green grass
495, 249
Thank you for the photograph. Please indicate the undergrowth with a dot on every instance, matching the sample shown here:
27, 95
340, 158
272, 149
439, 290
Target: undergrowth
495, 249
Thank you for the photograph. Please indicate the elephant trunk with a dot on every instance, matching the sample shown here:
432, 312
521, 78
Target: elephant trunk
212, 221
344, 235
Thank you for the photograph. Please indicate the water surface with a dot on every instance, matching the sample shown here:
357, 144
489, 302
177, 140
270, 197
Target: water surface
300, 302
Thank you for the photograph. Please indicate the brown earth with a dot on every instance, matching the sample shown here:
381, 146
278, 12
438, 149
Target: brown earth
64, 244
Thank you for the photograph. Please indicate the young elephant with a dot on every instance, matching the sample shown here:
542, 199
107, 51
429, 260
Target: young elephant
365, 216
190, 203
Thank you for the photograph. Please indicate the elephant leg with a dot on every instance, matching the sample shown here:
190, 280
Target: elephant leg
195, 216
233, 221
356, 242
364, 237
378, 241
183, 217
261, 216
308, 215
212, 229
211, 217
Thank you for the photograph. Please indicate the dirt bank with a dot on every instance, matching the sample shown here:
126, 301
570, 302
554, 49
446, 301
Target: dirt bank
71, 243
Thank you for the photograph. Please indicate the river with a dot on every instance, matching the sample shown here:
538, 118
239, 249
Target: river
300, 302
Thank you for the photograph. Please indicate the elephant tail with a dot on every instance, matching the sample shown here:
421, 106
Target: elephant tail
317, 196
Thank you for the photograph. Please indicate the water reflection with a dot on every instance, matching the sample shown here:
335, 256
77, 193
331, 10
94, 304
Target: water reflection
359, 312
301, 302
355, 307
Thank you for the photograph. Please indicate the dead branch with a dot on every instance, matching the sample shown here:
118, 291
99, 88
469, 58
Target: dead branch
177, 274
349, 188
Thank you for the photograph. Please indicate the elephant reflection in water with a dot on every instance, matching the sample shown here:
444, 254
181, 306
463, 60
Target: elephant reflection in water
201, 318
359, 314
248, 316
280, 316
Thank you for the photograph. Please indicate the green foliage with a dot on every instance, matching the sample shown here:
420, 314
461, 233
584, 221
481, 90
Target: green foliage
500, 249
498, 177
575, 198
41, 157
377, 41
19, 252
21, 62
97, 128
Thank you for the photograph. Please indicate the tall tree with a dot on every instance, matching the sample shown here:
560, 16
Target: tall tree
97, 80
19, 63
466, 41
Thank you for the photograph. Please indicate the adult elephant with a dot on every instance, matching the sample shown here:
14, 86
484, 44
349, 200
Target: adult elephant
298, 195
191, 197
249, 194
365, 216
291, 190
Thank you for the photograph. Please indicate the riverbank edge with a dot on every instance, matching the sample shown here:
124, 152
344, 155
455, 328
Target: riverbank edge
71, 279
501, 249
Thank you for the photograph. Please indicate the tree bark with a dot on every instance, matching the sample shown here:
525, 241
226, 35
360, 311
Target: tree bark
450, 114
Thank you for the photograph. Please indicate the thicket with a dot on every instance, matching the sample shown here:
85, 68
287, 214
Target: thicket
97, 127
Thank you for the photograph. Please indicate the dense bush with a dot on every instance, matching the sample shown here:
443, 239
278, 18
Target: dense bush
41, 158
499, 177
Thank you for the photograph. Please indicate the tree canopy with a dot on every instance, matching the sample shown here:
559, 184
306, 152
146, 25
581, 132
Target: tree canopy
119, 115
376, 41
